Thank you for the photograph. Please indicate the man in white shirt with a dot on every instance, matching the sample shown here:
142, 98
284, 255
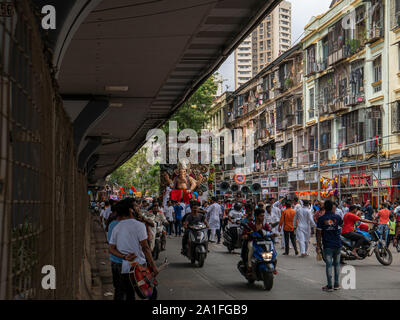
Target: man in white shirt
129, 242
277, 212
272, 218
397, 209
303, 221
169, 214
213, 218
105, 213
235, 214
337, 210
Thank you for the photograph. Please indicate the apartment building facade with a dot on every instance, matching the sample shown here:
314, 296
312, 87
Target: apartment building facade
327, 113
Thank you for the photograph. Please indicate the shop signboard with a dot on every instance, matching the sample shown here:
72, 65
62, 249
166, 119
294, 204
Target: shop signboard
386, 183
272, 182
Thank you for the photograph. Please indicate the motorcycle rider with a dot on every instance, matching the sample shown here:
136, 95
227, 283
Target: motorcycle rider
155, 215
349, 221
233, 216
255, 226
192, 218
249, 218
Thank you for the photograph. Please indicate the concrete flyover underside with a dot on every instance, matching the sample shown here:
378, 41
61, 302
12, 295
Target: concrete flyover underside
157, 53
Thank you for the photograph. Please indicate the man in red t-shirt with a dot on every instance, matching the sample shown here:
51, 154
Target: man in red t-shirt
349, 219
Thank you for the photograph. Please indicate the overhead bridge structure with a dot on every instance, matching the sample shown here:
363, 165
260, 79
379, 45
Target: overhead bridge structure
78, 101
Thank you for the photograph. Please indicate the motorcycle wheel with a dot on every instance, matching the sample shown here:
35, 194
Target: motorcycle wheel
202, 257
384, 256
268, 279
163, 245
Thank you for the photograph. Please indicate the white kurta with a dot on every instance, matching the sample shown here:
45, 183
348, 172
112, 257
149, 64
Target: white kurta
213, 212
276, 211
303, 220
271, 218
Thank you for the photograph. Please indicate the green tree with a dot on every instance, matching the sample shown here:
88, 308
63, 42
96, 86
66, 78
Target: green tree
191, 115
138, 173
194, 113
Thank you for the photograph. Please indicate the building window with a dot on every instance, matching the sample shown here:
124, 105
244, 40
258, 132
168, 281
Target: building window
396, 18
311, 62
357, 82
312, 102
377, 70
325, 135
398, 56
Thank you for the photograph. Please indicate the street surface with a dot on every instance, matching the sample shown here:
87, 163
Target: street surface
298, 278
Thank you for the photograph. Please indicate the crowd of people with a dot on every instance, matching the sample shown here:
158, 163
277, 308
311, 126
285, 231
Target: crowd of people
130, 228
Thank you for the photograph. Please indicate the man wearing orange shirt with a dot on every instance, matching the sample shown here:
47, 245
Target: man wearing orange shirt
287, 220
383, 216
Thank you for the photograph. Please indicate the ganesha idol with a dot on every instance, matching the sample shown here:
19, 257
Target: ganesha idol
182, 185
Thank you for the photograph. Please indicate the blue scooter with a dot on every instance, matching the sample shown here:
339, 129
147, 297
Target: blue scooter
263, 261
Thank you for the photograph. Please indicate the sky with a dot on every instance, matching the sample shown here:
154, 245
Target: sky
302, 12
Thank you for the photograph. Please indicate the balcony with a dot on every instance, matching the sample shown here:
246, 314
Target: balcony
339, 105
372, 146
354, 99
375, 34
321, 66
278, 87
324, 155
351, 47
336, 56
312, 68
262, 133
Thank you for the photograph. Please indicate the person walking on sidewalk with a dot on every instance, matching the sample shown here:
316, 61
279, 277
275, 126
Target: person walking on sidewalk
328, 235
287, 220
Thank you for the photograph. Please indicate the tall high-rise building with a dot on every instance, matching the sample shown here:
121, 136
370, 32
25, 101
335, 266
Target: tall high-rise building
243, 62
271, 38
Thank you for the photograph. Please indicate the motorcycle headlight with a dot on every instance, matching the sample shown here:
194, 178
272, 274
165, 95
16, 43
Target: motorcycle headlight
267, 256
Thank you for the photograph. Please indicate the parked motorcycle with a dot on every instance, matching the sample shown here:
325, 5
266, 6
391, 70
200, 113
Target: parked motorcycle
196, 248
232, 236
376, 245
263, 260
